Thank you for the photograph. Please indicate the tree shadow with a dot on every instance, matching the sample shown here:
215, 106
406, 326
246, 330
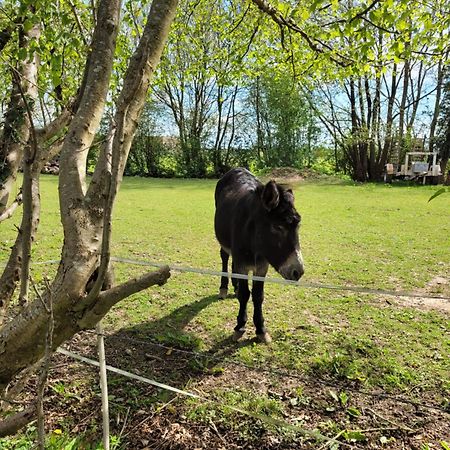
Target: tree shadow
164, 350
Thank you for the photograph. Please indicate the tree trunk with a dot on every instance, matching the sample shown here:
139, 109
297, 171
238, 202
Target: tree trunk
437, 103
16, 130
86, 213
402, 110
358, 146
387, 147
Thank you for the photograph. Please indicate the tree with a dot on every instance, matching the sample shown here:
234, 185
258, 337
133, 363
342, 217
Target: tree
152, 155
443, 133
379, 58
86, 209
57, 106
202, 80
285, 122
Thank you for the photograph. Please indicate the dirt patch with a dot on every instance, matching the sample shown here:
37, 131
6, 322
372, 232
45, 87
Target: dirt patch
437, 287
438, 281
291, 176
286, 175
422, 303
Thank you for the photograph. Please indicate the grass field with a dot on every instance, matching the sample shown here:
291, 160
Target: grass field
340, 349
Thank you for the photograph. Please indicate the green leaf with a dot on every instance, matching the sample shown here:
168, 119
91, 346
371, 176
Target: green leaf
445, 445
71, 444
305, 14
354, 436
22, 54
354, 412
436, 194
334, 395
27, 25
402, 25
343, 397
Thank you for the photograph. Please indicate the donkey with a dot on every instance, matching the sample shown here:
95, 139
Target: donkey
256, 225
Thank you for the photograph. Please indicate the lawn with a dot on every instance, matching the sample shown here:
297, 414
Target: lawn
337, 351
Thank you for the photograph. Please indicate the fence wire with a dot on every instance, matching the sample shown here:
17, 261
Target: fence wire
301, 284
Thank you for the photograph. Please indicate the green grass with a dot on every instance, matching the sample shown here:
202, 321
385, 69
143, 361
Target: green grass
372, 235
379, 236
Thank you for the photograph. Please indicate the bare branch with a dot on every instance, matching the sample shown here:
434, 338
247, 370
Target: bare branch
362, 13
12, 207
56, 125
27, 186
42, 383
107, 299
79, 24
13, 391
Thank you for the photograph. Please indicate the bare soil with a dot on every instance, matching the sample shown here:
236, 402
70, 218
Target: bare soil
438, 286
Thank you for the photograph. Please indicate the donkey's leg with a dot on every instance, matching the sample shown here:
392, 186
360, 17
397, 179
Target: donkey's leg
234, 281
243, 295
223, 291
258, 298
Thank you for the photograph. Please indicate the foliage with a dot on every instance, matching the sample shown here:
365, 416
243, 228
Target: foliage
152, 155
61, 45
55, 440
285, 124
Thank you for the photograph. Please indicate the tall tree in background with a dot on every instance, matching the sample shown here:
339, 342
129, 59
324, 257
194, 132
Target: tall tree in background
201, 78
443, 133
285, 122
379, 58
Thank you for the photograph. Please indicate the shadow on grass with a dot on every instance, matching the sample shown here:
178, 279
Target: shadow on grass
164, 350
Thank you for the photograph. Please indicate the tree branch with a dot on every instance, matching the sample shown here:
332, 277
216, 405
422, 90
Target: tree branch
319, 47
79, 24
43, 376
84, 125
56, 125
107, 299
12, 424
129, 108
12, 207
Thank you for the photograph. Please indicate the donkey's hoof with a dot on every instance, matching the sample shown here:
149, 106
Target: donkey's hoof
238, 334
264, 338
223, 293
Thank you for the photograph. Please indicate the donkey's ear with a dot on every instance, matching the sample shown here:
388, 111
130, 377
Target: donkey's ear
270, 196
289, 196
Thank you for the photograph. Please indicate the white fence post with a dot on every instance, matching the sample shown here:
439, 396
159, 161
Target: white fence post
103, 385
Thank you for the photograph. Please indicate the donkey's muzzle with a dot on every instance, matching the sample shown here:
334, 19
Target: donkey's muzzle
293, 268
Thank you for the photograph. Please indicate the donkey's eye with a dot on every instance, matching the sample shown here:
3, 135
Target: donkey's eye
277, 228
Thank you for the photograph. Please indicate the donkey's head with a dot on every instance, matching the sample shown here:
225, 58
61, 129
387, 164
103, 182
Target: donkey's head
277, 231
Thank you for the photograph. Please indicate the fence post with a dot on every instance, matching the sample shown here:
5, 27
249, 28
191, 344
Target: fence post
103, 384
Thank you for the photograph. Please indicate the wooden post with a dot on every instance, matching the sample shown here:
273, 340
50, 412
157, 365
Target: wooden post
103, 384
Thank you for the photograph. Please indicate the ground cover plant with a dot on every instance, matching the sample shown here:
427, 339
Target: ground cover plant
335, 355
